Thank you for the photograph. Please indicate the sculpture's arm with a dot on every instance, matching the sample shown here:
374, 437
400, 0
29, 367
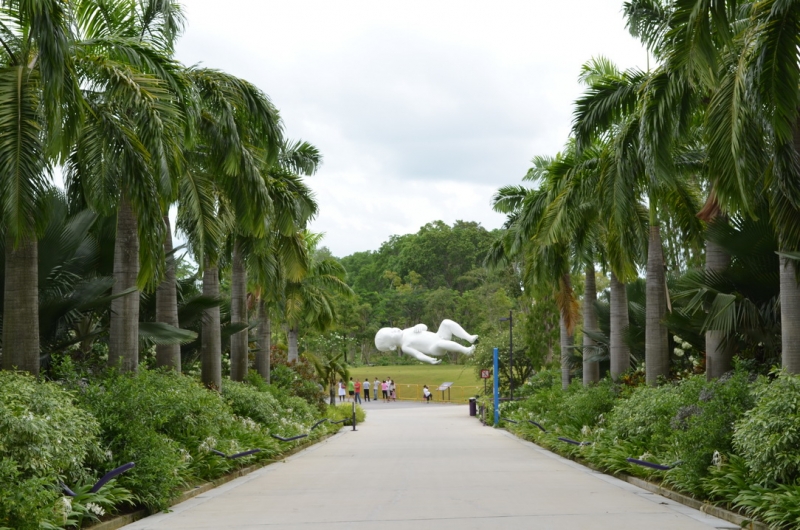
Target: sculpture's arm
419, 355
420, 328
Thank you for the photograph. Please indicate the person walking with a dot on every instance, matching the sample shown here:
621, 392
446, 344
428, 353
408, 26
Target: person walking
357, 388
351, 388
341, 391
375, 388
365, 386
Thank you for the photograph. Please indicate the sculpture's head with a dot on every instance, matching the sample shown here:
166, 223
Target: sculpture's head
388, 338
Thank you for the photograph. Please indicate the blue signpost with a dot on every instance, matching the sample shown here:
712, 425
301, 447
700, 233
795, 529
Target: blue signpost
496, 390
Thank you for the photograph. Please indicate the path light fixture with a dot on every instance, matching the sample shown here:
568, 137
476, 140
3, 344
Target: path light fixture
510, 320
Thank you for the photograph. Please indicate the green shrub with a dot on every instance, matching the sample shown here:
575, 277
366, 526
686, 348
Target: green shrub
43, 431
251, 402
705, 429
44, 439
344, 411
645, 418
166, 423
769, 434
27, 502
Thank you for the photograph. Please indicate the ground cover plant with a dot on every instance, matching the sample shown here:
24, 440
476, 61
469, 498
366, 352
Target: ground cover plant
731, 441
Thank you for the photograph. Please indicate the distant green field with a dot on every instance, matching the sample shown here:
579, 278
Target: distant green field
410, 378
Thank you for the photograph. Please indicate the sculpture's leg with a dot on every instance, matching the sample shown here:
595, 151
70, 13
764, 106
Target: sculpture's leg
448, 328
420, 356
449, 345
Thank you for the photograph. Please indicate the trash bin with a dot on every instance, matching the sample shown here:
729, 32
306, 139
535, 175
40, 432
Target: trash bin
473, 406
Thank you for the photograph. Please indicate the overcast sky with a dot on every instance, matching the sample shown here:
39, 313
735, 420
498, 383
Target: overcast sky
421, 109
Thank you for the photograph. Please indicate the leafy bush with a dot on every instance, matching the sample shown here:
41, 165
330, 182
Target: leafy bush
43, 431
768, 435
166, 423
25, 502
250, 402
705, 429
344, 411
44, 439
645, 419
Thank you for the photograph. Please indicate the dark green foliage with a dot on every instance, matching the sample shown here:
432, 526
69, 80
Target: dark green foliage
167, 424
575, 408
705, 429
44, 439
767, 437
647, 417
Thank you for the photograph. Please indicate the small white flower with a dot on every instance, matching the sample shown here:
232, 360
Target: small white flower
66, 506
686, 346
95, 509
678, 352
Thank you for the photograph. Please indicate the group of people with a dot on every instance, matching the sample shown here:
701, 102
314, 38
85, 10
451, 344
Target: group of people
352, 390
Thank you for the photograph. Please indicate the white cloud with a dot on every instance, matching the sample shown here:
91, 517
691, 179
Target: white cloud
421, 109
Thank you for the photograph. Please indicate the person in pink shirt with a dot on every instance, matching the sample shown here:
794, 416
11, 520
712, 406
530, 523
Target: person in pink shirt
385, 391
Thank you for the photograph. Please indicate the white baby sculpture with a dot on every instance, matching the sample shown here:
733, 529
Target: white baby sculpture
420, 343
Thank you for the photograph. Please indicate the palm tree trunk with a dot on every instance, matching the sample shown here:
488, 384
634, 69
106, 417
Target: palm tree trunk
21, 302
293, 348
168, 355
566, 350
790, 317
123, 341
718, 357
591, 370
239, 340
656, 351
263, 355
211, 337
620, 355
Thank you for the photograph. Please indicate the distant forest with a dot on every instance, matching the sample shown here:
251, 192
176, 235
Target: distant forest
428, 276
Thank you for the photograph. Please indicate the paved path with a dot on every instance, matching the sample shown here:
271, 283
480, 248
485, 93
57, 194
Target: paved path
428, 467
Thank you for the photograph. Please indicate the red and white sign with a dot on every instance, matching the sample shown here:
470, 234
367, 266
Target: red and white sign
484, 374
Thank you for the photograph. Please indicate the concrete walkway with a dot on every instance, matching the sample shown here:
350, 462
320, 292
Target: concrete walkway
422, 466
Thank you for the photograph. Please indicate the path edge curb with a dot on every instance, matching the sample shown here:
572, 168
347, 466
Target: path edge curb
128, 518
746, 523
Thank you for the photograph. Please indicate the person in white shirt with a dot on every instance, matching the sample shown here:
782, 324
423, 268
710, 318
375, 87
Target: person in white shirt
426, 393
375, 387
365, 386
341, 391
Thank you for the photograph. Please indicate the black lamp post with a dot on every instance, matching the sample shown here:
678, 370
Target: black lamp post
510, 320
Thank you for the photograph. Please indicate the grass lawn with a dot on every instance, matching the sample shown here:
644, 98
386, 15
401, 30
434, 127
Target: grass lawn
410, 378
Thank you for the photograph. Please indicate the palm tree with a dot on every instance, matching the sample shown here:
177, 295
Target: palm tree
753, 122
225, 192
546, 264
36, 91
666, 31
311, 300
128, 152
282, 255
628, 105
330, 368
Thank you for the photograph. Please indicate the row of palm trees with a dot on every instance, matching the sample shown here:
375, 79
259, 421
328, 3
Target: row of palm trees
92, 86
711, 134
